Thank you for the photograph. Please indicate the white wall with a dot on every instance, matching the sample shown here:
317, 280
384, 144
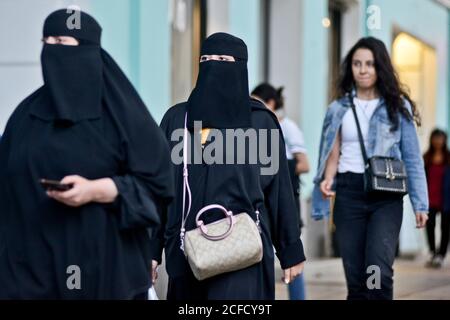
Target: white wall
352, 25
217, 16
285, 52
298, 60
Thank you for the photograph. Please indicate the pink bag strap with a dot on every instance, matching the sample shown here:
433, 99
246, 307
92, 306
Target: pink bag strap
187, 195
186, 187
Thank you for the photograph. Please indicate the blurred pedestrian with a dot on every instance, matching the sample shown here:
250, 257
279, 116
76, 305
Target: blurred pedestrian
297, 159
437, 168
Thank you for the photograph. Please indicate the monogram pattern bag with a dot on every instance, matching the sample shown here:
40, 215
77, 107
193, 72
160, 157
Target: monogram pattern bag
382, 174
226, 245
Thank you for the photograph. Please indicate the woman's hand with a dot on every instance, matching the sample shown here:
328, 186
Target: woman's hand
325, 188
85, 191
331, 169
154, 271
292, 273
302, 166
421, 220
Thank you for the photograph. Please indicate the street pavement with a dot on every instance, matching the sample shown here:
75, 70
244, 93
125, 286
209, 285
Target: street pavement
412, 281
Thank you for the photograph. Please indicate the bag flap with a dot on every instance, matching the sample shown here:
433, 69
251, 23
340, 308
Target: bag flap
387, 167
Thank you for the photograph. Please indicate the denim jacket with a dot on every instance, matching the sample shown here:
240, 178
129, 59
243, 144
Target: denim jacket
402, 144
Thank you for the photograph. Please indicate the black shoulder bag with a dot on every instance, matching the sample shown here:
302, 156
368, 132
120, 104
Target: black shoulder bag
381, 174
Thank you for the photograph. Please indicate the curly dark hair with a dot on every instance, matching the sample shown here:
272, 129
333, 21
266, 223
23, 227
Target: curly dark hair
388, 84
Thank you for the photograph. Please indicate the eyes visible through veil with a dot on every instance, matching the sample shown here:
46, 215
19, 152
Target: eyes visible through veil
61, 40
224, 58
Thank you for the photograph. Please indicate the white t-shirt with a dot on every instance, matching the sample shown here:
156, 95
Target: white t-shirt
351, 159
293, 138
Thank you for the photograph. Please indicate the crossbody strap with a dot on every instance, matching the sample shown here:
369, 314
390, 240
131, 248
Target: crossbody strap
360, 136
186, 189
187, 194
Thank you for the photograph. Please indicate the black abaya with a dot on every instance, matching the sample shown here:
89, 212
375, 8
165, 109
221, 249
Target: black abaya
240, 188
42, 240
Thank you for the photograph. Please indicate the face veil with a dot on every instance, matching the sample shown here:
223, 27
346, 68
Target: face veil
221, 97
73, 75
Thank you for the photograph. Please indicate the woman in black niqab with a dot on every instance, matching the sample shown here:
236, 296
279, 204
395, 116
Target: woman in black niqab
221, 97
88, 127
221, 101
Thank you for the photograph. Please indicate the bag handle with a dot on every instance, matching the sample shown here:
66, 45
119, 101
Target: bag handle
203, 227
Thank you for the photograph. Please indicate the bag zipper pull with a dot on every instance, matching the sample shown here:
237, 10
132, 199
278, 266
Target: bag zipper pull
258, 221
182, 233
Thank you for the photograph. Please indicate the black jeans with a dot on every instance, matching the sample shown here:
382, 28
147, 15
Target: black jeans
367, 231
445, 232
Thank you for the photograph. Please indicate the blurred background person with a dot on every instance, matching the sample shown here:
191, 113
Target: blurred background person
297, 160
437, 168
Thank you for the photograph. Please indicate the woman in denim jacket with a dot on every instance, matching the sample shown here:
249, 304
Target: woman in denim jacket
368, 225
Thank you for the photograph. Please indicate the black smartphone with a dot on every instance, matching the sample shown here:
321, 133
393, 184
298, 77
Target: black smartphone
52, 185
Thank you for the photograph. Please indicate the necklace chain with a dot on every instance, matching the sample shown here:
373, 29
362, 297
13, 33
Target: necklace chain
363, 108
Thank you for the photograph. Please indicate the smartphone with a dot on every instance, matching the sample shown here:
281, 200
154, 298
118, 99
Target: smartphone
52, 185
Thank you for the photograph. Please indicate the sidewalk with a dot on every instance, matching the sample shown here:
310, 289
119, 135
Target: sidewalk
412, 281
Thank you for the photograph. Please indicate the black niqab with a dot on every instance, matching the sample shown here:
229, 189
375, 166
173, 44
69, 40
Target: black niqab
221, 97
73, 75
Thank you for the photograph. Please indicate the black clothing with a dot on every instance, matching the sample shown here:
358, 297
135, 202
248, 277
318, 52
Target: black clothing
295, 180
73, 75
367, 232
113, 137
445, 232
240, 188
221, 98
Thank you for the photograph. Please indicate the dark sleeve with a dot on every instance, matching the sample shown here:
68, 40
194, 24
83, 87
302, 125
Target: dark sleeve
6, 141
14, 121
157, 236
285, 230
146, 186
4, 151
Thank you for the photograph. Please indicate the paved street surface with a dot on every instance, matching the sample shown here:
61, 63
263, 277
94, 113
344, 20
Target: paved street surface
412, 281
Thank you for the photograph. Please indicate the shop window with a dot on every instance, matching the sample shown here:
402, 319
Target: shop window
416, 64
